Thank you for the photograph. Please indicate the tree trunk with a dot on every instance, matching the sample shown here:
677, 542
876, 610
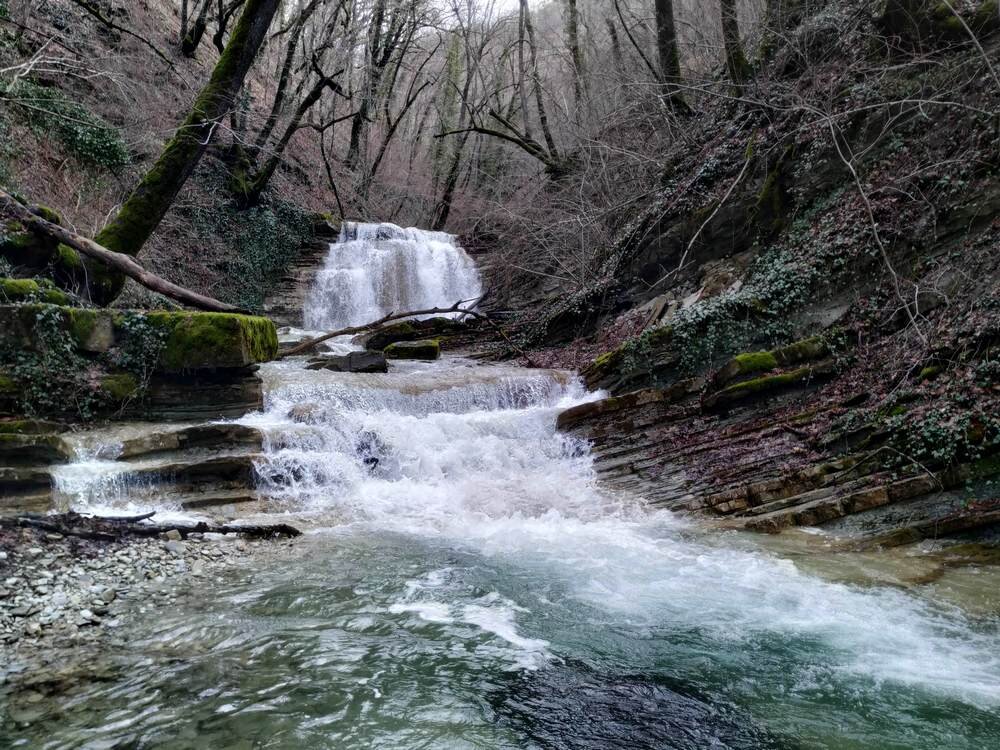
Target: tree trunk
121, 263
543, 118
616, 45
251, 193
522, 88
576, 55
736, 61
666, 42
142, 212
184, 19
189, 45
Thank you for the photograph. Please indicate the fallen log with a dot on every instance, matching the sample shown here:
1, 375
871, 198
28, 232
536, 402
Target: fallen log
310, 344
375, 325
111, 529
118, 261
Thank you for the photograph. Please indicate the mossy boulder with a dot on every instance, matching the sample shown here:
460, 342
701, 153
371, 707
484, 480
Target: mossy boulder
427, 350
120, 386
768, 385
409, 330
30, 290
197, 341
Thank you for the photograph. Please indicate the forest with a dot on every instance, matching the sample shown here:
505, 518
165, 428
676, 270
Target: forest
500, 373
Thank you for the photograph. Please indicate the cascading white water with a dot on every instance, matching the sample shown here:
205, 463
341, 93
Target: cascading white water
375, 269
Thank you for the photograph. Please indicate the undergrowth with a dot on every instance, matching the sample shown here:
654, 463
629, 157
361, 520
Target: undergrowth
49, 110
263, 240
52, 377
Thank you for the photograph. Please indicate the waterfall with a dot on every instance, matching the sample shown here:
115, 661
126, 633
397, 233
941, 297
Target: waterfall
375, 269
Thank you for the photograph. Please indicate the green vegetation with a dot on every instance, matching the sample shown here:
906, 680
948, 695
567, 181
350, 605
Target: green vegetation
30, 290
263, 241
87, 137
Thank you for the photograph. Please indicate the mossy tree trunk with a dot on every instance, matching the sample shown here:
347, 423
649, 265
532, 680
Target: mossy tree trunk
736, 62
142, 212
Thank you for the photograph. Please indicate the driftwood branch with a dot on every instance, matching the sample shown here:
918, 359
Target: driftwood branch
111, 529
118, 261
375, 325
309, 345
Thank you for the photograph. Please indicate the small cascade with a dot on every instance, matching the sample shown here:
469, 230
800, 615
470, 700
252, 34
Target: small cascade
379, 268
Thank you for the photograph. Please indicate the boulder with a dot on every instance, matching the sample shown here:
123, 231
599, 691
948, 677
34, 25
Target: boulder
424, 350
366, 361
198, 341
409, 330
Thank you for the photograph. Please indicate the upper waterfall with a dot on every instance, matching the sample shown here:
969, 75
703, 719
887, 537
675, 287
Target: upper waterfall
375, 269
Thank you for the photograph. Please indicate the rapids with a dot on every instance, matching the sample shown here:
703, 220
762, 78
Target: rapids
466, 583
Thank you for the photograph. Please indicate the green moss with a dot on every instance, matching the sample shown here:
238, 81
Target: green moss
68, 258
929, 373
210, 340
755, 362
47, 213
19, 289
773, 206
768, 383
120, 386
82, 323
8, 385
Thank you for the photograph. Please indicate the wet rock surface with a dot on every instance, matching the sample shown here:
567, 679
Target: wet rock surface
365, 361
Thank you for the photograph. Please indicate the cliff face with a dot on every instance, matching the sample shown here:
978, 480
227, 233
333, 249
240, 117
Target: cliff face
803, 323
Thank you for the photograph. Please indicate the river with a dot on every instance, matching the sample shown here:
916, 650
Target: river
466, 583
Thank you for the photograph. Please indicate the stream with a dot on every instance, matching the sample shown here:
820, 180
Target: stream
465, 582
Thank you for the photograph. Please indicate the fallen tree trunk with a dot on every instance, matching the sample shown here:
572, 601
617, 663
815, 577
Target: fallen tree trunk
309, 345
375, 325
117, 261
111, 529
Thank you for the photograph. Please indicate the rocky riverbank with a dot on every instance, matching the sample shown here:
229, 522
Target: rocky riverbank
62, 591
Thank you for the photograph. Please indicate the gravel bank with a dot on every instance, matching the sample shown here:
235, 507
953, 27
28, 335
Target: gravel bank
66, 590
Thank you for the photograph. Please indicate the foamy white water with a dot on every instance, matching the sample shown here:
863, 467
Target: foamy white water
375, 269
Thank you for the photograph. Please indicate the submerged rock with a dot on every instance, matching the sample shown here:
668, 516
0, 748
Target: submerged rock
423, 350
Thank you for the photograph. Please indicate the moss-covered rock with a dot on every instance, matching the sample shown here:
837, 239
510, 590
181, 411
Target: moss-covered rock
409, 330
29, 426
768, 384
751, 363
30, 290
195, 341
429, 349
638, 362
